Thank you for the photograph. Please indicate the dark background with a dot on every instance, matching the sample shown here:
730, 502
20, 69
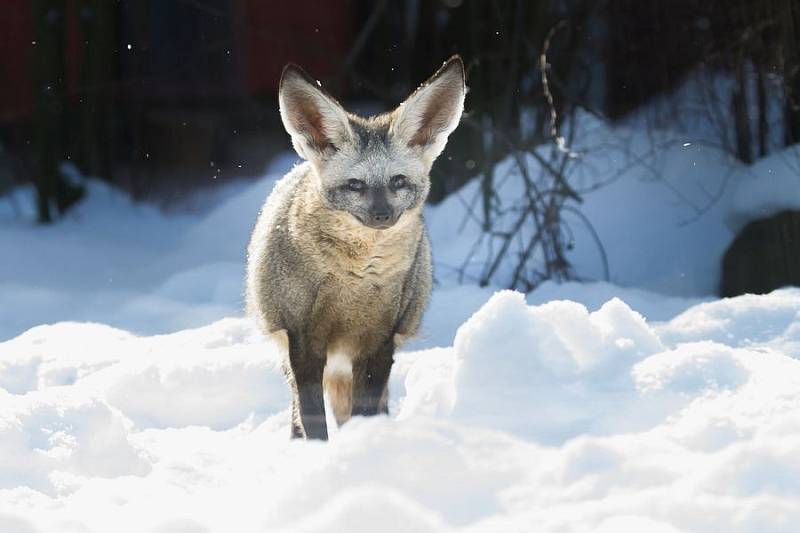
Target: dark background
164, 97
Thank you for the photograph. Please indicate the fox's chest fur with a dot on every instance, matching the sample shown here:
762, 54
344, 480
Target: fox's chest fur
349, 285
362, 272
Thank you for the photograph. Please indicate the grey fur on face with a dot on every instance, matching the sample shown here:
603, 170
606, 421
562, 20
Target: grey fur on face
373, 175
339, 266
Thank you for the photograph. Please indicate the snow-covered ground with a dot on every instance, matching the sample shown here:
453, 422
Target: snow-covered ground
134, 396
664, 207
534, 418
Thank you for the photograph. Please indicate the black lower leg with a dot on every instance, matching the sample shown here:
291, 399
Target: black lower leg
307, 367
312, 410
370, 382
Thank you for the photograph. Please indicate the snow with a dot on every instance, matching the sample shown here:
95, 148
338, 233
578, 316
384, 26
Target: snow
134, 396
549, 415
129, 264
771, 185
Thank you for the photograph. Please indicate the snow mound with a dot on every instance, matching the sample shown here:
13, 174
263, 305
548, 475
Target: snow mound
49, 439
130, 264
553, 417
527, 369
742, 321
769, 186
215, 376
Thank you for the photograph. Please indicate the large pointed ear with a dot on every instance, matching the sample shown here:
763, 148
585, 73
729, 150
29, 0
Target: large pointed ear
316, 122
433, 111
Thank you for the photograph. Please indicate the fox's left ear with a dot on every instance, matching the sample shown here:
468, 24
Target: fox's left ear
433, 111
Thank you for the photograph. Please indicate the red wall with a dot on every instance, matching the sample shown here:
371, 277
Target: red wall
314, 34
16, 57
16, 52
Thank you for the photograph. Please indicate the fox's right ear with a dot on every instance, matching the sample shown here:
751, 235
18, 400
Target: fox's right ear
316, 122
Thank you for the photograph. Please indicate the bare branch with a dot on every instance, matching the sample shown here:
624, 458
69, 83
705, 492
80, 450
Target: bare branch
543, 66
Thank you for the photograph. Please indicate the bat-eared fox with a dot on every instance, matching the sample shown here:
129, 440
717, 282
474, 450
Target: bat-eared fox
339, 263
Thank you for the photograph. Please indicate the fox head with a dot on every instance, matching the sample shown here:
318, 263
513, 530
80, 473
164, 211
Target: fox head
374, 168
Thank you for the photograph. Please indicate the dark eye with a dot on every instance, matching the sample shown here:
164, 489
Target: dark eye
398, 182
356, 185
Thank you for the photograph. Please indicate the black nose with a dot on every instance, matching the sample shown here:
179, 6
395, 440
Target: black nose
379, 219
381, 216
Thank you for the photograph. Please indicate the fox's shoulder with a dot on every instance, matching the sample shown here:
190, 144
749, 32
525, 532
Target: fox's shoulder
278, 203
285, 187
275, 210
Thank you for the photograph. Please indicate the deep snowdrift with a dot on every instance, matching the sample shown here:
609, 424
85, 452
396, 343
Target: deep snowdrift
545, 418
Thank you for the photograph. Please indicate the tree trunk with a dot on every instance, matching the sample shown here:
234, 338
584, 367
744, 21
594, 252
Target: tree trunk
740, 119
763, 123
97, 26
54, 193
